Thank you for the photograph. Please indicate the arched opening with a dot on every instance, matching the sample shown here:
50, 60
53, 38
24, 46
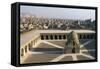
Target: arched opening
55, 36
51, 37
42, 37
64, 36
84, 36
22, 52
29, 46
88, 36
80, 37
47, 37
25, 49
60, 37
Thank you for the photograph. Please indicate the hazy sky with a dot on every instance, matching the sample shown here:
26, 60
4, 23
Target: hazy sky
55, 12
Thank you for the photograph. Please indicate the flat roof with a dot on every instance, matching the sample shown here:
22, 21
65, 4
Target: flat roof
65, 31
25, 37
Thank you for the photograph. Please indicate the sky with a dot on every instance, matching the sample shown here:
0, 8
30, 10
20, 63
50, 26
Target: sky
54, 12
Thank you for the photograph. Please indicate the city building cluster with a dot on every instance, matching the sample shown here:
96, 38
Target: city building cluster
28, 23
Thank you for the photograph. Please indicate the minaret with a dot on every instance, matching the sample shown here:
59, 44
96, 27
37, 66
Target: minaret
72, 44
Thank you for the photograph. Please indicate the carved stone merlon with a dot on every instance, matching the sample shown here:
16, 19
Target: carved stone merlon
72, 44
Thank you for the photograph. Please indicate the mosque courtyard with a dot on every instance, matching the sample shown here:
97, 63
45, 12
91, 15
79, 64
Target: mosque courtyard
53, 51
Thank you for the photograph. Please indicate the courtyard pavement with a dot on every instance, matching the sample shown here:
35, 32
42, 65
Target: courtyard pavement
52, 51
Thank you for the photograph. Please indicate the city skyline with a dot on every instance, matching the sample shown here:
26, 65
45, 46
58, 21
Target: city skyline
52, 12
